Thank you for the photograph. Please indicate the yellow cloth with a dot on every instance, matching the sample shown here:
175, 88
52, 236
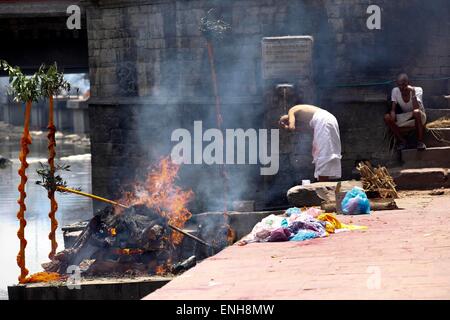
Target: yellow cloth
332, 223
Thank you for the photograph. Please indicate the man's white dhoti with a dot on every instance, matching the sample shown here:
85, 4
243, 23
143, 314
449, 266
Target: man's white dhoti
406, 119
326, 149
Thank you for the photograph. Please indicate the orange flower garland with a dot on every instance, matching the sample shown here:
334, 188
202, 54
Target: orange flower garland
51, 193
24, 142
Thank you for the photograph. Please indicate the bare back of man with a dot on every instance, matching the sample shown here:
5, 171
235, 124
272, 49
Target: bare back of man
326, 143
302, 114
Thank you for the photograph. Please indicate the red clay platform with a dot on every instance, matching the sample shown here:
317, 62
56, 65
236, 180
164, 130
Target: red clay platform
405, 254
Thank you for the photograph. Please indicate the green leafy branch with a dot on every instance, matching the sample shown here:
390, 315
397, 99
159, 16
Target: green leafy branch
23, 88
45, 82
51, 81
50, 181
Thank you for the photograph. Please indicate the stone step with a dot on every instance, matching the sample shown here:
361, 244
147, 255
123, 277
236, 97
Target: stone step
434, 114
439, 138
439, 100
436, 157
420, 179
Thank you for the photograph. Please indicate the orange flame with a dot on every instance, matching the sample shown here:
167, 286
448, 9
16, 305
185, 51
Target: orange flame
160, 270
160, 193
128, 251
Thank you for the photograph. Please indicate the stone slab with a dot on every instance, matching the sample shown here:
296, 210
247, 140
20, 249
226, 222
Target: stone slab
431, 157
287, 56
420, 179
241, 222
316, 193
90, 289
434, 114
442, 138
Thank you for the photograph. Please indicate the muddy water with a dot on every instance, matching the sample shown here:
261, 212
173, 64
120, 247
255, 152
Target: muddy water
71, 207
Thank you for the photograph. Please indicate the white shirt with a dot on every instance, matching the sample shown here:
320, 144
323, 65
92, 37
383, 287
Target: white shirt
407, 107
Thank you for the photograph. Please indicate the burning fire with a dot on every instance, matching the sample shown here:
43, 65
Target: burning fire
128, 251
160, 270
113, 232
160, 193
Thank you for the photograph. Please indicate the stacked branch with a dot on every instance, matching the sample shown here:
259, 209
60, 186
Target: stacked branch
377, 180
136, 240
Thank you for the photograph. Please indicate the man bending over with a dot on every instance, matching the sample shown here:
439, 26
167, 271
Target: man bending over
326, 149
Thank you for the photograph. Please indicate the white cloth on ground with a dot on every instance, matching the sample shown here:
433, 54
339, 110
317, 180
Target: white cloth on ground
261, 231
326, 149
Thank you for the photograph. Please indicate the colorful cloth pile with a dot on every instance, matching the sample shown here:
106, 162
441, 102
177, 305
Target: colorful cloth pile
297, 225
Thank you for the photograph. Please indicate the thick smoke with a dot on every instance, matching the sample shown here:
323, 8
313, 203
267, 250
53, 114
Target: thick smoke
178, 89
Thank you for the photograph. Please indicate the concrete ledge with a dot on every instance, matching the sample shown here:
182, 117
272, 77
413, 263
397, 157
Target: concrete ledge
37, 9
154, 101
434, 114
443, 133
241, 222
420, 179
91, 289
431, 157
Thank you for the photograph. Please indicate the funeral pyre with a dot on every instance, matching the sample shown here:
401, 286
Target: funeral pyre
138, 235
137, 240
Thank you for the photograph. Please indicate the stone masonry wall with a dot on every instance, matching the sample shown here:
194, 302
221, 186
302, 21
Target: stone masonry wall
149, 74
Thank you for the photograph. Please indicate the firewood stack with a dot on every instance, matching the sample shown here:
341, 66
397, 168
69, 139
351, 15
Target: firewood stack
377, 180
134, 242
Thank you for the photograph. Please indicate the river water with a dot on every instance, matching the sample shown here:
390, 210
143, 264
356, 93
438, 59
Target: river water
72, 208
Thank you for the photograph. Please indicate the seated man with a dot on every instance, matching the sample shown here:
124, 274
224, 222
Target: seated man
409, 99
326, 148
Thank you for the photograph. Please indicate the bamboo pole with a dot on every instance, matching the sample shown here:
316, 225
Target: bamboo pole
88, 195
219, 119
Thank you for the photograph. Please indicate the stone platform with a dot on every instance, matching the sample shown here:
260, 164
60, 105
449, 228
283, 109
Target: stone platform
90, 289
404, 254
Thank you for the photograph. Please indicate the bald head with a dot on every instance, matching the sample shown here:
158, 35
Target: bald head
403, 82
402, 77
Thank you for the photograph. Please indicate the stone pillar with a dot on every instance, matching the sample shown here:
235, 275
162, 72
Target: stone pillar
287, 68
